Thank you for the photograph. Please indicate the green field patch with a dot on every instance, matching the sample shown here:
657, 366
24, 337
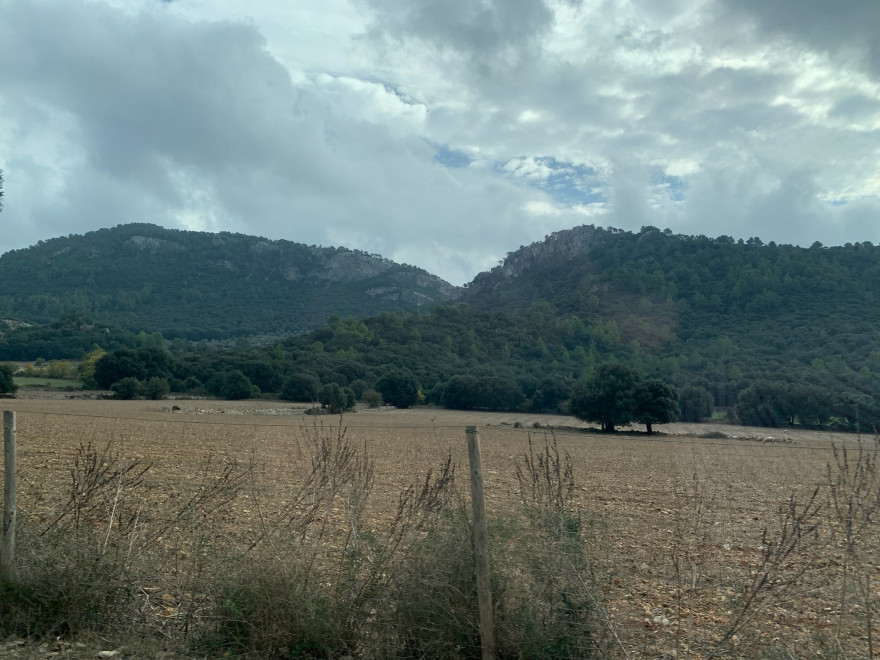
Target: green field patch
49, 383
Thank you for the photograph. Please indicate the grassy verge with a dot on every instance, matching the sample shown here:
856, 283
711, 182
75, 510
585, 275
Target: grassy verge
49, 383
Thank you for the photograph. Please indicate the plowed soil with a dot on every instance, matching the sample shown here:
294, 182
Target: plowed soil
678, 517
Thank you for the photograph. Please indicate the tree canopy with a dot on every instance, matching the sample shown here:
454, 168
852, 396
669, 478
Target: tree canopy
695, 403
398, 388
204, 286
749, 328
336, 399
656, 403
616, 396
7, 380
609, 398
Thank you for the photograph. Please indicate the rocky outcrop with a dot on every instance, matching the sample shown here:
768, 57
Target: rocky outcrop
565, 245
349, 266
153, 245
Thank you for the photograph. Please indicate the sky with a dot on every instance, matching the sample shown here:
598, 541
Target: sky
441, 133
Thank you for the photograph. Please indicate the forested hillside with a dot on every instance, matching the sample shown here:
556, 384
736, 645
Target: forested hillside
723, 314
199, 285
775, 334
775, 304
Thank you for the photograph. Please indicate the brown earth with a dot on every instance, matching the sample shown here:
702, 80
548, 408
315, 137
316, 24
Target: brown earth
677, 517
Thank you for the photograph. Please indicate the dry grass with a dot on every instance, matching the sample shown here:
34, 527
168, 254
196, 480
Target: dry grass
677, 519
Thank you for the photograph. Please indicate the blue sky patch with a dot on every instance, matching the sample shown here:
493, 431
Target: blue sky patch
450, 157
567, 183
675, 185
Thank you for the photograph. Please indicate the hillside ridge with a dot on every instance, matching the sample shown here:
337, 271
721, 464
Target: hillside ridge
564, 244
203, 285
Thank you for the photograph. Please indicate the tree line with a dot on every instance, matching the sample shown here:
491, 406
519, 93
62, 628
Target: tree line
459, 357
769, 334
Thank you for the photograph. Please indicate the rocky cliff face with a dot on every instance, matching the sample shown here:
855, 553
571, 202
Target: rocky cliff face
567, 244
152, 245
349, 266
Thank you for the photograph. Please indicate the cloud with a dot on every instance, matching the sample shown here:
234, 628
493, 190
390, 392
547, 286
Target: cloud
844, 29
491, 35
435, 133
194, 124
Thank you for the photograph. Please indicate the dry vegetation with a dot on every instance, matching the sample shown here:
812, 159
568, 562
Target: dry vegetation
702, 542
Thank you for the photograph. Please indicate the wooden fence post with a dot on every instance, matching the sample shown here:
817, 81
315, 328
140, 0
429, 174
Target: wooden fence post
7, 551
481, 545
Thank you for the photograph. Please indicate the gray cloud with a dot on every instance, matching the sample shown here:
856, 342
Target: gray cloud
195, 124
492, 35
847, 29
435, 133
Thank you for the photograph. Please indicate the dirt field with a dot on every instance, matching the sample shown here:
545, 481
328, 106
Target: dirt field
680, 514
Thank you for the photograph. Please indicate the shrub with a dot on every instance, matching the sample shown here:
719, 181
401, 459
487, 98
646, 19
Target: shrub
398, 388
542, 589
301, 387
696, 404
157, 388
127, 388
232, 385
81, 570
7, 382
358, 386
372, 398
336, 399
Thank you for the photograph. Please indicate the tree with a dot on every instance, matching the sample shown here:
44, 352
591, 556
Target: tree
608, 398
550, 393
156, 361
58, 369
235, 386
812, 405
115, 366
398, 388
301, 387
262, 373
372, 398
359, 386
336, 399
87, 366
765, 403
157, 388
7, 382
696, 403
127, 388
459, 392
498, 393
656, 403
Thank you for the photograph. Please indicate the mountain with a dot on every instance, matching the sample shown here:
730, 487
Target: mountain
199, 285
728, 312
785, 333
